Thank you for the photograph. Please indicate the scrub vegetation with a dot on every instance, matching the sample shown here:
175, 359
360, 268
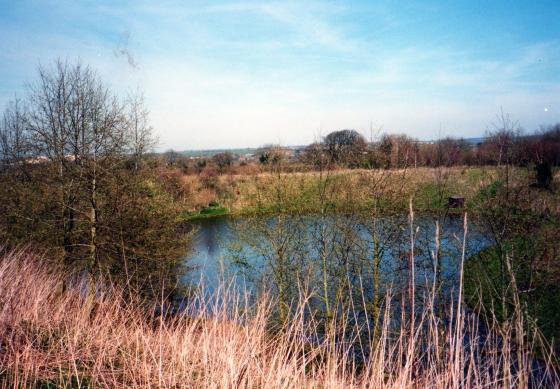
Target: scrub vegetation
81, 337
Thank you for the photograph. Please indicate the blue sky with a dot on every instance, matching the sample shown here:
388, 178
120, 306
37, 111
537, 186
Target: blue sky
232, 74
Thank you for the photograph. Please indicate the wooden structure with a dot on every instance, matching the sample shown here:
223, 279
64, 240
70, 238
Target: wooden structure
456, 202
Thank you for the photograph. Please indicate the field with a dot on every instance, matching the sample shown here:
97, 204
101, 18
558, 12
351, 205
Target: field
266, 192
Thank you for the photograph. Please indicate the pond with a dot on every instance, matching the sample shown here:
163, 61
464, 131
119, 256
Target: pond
249, 251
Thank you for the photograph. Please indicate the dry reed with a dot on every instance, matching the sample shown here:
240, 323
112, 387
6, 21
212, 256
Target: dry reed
53, 334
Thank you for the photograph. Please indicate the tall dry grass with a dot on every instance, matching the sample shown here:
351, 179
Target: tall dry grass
52, 336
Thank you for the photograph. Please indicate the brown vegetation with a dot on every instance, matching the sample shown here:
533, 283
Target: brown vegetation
77, 338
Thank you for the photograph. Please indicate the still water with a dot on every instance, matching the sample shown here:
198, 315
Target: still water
242, 249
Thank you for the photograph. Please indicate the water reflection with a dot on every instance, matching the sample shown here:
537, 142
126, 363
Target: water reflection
220, 245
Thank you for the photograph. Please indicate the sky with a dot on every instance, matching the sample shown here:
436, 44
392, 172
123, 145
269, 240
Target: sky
230, 74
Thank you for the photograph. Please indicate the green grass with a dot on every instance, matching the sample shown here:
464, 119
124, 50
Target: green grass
204, 213
429, 197
540, 297
302, 193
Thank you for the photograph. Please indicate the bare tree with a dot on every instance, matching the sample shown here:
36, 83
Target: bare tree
81, 128
503, 139
140, 132
79, 197
223, 160
345, 146
316, 156
14, 139
272, 155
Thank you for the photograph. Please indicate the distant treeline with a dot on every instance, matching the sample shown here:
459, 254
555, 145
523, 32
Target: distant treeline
505, 145
349, 149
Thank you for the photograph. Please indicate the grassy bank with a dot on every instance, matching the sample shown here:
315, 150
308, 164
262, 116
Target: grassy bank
310, 192
489, 292
67, 337
213, 210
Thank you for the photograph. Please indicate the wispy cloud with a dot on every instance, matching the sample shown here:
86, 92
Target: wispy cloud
245, 73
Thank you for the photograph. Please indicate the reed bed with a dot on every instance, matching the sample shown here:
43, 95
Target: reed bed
57, 333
